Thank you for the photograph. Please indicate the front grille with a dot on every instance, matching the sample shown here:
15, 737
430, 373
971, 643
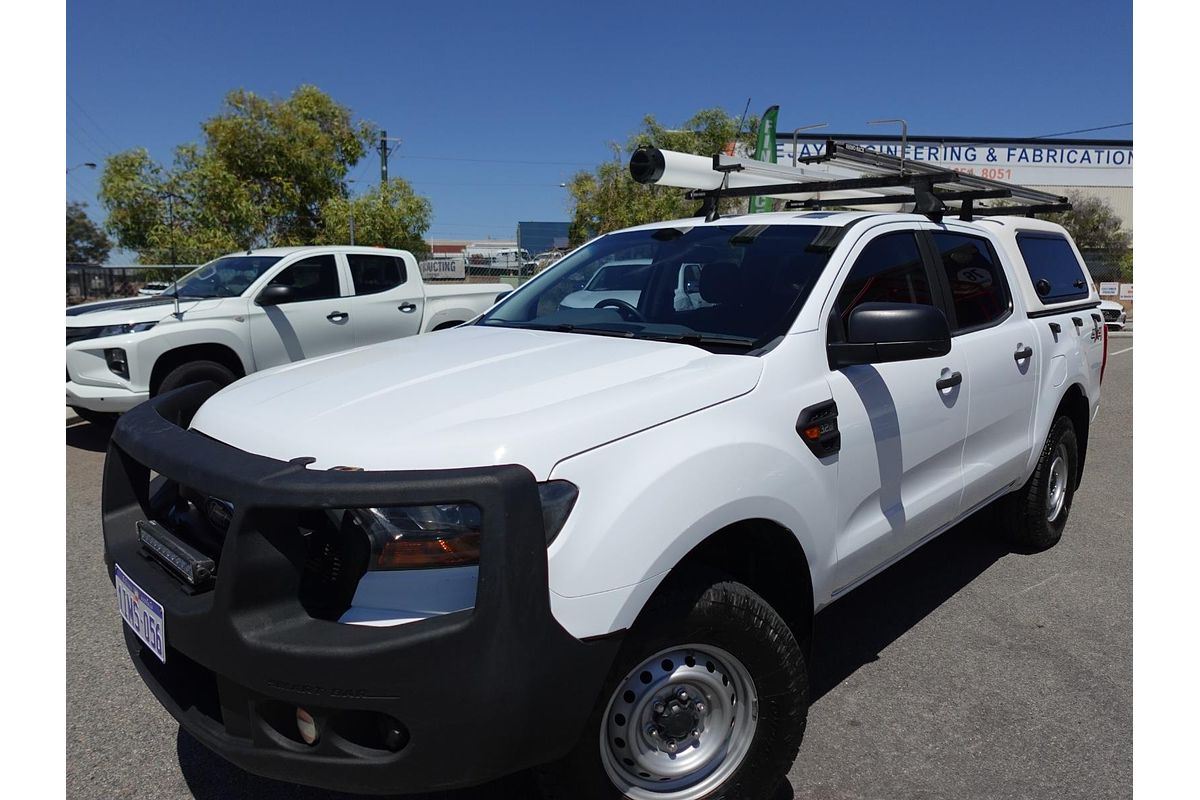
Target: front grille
329, 553
1111, 315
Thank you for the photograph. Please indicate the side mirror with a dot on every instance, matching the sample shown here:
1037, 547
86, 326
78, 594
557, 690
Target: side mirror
879, 332
692, 287
275, 295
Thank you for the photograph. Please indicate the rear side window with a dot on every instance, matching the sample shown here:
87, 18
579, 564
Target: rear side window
1055, 271
977, 285
889, 270
312, 278
372, 274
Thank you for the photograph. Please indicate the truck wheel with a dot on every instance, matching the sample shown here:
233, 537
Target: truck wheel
1038, 511
196, 372
708, 698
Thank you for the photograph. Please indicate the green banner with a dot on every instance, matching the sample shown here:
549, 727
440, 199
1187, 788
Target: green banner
764, 150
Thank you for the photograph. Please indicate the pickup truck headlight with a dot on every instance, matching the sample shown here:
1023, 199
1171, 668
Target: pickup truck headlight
446, 535
129, 327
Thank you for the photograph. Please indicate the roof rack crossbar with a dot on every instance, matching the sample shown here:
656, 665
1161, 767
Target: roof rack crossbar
1019, 211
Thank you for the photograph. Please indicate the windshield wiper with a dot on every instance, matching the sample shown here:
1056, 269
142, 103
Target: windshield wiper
695, 337
563, 327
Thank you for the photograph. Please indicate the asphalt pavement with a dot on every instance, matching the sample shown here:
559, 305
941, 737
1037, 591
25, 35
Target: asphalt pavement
966, 671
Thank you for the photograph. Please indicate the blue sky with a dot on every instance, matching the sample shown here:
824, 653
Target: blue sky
498, 103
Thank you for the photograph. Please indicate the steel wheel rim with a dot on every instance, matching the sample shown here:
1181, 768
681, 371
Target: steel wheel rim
712, 723
1056, 487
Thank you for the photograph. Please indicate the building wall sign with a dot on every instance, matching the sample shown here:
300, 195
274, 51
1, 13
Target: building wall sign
1030, 163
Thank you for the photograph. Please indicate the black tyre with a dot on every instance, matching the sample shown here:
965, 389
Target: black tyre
197, 372
1037, 513
707, 699
100, 418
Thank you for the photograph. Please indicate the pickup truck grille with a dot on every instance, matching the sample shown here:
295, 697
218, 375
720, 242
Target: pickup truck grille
1111, 314
329, 557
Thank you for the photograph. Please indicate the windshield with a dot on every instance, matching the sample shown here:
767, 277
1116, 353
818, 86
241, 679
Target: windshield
225, 277
741, 286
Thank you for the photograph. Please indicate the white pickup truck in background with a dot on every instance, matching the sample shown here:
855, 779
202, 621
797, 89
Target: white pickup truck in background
248, 311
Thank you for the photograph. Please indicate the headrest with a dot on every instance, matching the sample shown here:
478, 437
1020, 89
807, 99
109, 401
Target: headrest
721, 282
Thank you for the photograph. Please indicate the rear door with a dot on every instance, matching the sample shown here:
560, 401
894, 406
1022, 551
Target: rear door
1001, 350
900, 463
388, 302
316, 323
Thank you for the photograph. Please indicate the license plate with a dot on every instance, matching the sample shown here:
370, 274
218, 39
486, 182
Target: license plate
142, 613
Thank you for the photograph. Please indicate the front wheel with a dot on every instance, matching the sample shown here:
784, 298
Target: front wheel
707, 699
196, 372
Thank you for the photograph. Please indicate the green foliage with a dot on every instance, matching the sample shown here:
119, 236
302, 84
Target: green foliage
392, 215
86, 242
265, 174
1093, 224
1125, 266
607, 198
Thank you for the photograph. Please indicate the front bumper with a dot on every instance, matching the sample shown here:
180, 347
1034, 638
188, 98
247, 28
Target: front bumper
103, 398
479, 693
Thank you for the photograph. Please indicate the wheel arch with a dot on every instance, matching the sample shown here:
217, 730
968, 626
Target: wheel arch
1075, 406
209, 351
768, 558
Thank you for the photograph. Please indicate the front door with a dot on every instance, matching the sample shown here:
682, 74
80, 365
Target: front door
902, 423
316, 323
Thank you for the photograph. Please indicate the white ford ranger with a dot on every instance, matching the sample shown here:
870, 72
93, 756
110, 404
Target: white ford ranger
247, 311
593, 540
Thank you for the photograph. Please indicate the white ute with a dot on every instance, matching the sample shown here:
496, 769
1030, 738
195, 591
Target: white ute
598, 536
247, 311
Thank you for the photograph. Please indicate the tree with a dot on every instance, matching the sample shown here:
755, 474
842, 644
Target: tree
1093, 224
86, 242
607, 198
391, 215
264, 175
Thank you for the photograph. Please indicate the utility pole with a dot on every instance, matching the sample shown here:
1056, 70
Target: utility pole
384, 149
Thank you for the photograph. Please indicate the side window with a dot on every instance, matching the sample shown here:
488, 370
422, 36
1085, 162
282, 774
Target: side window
1053, 267
889, 270
312, 278
977, 284
372, 274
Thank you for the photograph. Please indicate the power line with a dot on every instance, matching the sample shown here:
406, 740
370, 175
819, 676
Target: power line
95, 124
496, 160
1085, 130
99, 156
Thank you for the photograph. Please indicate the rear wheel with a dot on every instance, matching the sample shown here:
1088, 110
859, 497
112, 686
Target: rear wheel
707, 699
196, 372
1037, 513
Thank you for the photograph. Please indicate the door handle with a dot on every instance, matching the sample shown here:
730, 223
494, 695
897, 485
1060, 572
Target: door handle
337, 316
949, 382
407, 308
1023, 353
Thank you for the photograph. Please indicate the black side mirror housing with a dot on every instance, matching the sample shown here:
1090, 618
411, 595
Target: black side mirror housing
275, 295
880, 332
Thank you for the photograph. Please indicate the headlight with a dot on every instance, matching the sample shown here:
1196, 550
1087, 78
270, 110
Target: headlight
129, 327
558, 498
445, 535
418, 537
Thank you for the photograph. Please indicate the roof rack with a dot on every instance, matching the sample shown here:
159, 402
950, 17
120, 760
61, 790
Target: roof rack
843, 175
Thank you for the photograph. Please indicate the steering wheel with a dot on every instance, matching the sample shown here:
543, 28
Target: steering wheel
628, 312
